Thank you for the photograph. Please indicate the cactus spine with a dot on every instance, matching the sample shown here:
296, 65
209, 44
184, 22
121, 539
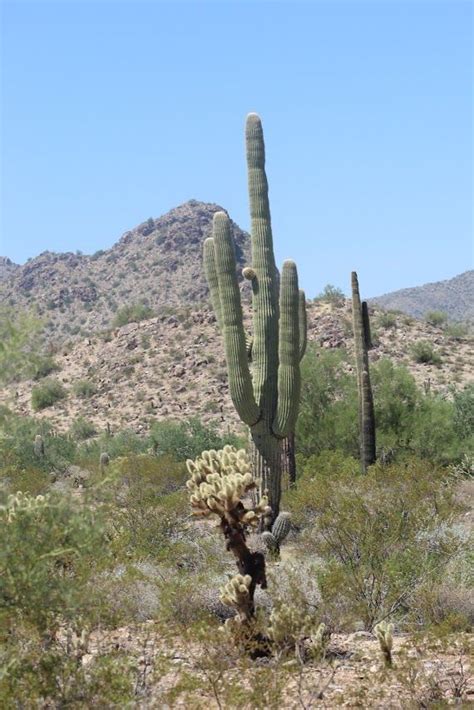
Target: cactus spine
366, 402
267, 398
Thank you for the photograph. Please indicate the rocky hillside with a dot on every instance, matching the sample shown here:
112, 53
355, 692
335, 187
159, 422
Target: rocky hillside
158, 263
455, 297
173, 367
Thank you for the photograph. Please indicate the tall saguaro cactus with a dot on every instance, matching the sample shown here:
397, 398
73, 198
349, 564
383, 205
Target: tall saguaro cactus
266, 396
362, 340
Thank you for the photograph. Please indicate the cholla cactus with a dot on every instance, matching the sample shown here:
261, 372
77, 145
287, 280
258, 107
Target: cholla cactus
319, 640
288, 626
219, 483
384, 633
280, 529
236, 593
19, 502
219, 479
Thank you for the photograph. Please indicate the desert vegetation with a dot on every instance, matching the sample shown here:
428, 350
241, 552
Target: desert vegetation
189, 563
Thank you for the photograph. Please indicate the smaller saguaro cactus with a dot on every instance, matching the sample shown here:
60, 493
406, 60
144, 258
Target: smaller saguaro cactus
38, 446
362, 340
219, 484
104, 460
280, 529
384, 634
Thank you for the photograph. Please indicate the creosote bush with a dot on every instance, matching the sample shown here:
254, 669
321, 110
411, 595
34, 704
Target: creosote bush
379, 536
84, 388
186, 439
46, 394
436, 318
424, 353
133, 313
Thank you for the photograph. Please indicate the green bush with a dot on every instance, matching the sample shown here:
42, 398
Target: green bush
19, 344
47, 394
457, 331
387, 320
122, 443
328, 406
84, 388
331, 294
150, 505
22, 469
49, 545
379, 536
436, 318
423, 352
187, 439
464, 413
43, 367
132, 314
82, 429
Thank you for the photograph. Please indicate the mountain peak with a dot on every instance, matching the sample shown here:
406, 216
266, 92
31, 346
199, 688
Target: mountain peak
159, 263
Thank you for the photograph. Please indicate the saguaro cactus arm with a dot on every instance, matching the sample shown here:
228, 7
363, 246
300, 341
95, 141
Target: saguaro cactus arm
212, 280
289, 353
264, 283
240, 381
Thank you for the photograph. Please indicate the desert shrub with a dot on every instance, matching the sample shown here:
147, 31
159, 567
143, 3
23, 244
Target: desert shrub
47, 394
379, 536
433, 433
331, 294
122, 443
424, 353
328, 406
49, 545
187, 439
20, 467
436, 318
396, 399
82, 429
387, 320
84, 388
43, 367
464, 412
19, 334
301, 499
150, 505
133, 313
456, 331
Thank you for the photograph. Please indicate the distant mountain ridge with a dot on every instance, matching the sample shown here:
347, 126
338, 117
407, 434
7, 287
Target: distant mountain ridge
454, 296
158, 263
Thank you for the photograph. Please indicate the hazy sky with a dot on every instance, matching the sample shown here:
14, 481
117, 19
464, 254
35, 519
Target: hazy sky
115, 111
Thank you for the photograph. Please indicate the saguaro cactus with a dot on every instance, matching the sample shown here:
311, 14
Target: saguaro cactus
361, 326
267, 396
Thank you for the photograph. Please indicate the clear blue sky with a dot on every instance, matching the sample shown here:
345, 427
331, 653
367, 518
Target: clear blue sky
115, 111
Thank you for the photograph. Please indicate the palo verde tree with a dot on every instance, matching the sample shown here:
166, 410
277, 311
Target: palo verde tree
265, 391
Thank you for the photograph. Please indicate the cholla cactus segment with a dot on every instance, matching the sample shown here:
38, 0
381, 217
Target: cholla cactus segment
384, 634
104, 459
319, 640
21, 502
288, 625
236, 594
219, 480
